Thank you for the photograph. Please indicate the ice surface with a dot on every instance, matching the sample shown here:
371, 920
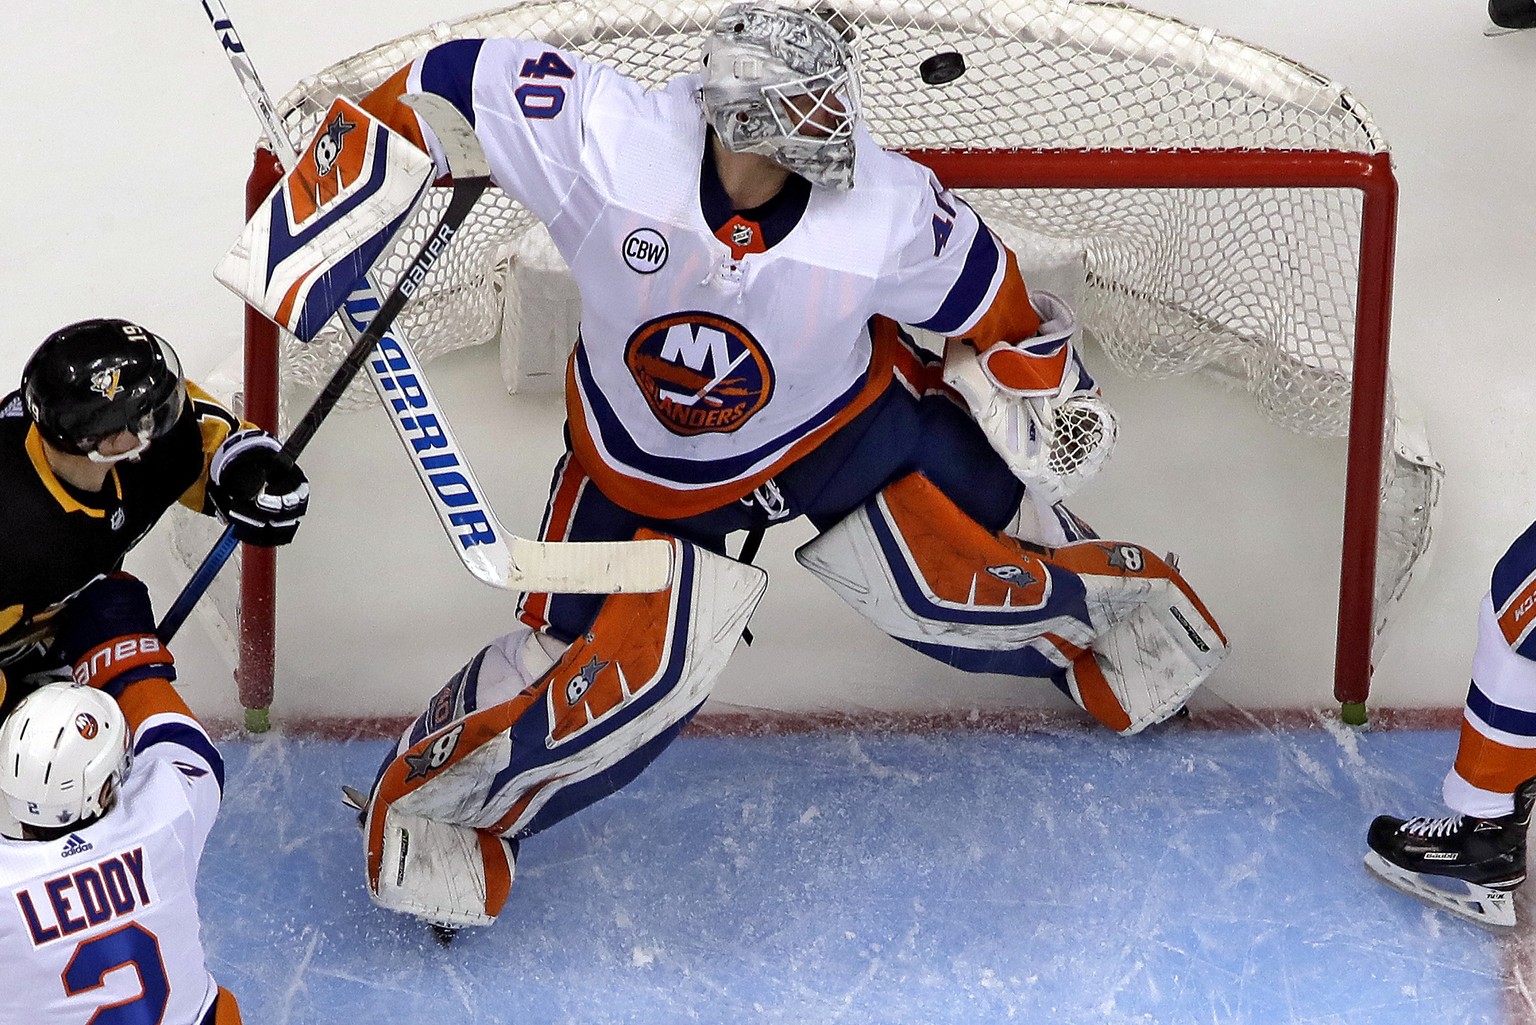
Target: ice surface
962, 877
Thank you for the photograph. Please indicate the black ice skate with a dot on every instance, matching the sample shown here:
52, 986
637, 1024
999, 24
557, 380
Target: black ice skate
1467, 866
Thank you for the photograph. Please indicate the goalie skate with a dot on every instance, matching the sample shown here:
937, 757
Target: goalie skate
1467, 866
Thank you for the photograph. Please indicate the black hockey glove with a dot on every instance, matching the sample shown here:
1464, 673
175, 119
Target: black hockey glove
258, 489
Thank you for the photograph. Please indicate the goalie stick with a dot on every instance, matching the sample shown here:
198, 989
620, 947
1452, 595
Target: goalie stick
490, 552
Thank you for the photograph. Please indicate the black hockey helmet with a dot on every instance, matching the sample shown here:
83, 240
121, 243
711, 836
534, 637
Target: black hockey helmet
89, 380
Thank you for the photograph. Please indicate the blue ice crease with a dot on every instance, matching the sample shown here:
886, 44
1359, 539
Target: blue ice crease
969, 877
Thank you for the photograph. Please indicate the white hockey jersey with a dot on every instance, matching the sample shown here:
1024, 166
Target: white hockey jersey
106, 917
715, 347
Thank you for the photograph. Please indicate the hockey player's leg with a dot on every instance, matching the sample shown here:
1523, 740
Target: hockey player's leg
225, 1010
1118, 624
1470, 862
503, 753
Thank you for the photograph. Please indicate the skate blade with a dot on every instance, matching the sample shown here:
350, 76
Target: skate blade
354, 798
1480, 905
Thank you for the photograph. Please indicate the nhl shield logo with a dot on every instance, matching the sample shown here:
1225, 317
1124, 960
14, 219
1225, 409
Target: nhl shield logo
107, 383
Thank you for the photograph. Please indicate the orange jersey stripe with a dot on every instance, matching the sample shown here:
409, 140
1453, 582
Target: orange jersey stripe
226, 1009
144, 698
384, 104
1518, 615
1010, 318
1490, 765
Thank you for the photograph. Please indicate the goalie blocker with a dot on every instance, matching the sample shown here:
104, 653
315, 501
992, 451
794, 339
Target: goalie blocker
316, 235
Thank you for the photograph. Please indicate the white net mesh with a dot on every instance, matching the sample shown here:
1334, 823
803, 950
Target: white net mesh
1258, 285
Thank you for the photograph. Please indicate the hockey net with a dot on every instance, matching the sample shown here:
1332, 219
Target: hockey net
1231, 212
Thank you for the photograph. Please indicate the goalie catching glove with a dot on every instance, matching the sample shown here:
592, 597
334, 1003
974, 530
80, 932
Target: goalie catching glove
257, 488
1036, 403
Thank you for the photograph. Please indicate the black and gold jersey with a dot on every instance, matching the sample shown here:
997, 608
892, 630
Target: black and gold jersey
55, 539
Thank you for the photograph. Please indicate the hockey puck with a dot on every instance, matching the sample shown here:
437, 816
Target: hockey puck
942, 67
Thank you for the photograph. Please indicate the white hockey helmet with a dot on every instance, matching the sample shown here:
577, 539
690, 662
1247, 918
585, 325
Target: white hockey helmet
784, 83
64, 753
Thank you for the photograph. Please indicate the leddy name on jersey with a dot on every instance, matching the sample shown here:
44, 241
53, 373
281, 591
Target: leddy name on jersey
85, 897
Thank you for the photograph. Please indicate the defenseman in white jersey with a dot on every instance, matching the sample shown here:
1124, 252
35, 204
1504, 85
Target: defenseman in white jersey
747, 255
1472, 861
114, 800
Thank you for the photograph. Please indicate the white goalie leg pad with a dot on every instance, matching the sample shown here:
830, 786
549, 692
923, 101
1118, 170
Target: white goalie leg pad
447, 874
1155, 642
922, 571
664, 652
648, 660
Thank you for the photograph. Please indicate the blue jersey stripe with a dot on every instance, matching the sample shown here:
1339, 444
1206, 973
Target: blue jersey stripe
968, 293
449, 71
189, 737
1500, 717
610, 429
1514, 567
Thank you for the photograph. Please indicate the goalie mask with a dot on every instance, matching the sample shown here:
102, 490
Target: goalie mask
91, 380
783, 83
64, 753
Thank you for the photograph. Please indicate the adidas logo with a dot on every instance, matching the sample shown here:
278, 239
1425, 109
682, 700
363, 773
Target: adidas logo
74, 845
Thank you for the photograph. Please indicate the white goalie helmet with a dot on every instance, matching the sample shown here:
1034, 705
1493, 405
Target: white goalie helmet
784, 83
64, 753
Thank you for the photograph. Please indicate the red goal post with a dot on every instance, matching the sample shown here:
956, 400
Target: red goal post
1232, 211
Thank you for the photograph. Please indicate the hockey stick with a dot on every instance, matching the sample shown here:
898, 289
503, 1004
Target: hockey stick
490, 552
470, 179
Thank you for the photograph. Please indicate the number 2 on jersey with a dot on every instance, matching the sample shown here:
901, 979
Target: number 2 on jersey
132, 946
543, 100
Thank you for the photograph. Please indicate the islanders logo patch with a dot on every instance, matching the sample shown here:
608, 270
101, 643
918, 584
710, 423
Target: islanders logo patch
700, 372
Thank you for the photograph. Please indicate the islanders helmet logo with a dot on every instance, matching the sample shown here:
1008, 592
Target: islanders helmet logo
85, 725
700, 372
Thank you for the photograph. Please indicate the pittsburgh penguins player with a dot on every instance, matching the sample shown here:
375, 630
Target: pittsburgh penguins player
102, 436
